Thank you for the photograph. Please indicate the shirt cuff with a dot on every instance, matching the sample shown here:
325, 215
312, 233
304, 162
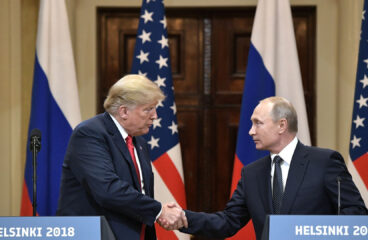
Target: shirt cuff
158, 215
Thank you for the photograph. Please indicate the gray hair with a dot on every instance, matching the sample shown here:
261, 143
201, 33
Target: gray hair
130, 91
282, 108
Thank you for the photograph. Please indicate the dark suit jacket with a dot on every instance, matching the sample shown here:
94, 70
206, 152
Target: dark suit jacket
99, 178
311, 189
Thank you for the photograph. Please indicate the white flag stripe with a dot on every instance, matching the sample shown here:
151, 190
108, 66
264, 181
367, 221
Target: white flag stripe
175, 155
163, 195
276, 44
58, 49
357, 180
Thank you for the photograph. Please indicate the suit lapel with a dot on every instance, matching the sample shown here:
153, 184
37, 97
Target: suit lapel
120, 144
264, 182
144, 165
298, 166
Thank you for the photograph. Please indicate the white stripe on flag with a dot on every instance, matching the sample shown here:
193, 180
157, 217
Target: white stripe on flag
357, 180
273, 36
175, 156
55, 54
163, 195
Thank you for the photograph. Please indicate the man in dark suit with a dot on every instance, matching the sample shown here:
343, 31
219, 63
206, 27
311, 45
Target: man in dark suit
107, 169
293, 179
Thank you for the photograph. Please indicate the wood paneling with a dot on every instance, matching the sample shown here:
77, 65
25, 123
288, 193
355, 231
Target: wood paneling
209, 52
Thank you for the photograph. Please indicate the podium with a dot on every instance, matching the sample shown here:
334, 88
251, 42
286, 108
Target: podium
68, 228
316, 227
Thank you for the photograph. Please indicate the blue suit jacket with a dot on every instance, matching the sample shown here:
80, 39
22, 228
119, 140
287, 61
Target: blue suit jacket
311, 188
99, 178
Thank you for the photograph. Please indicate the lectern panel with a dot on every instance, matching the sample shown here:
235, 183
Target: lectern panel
321, 227
76, 228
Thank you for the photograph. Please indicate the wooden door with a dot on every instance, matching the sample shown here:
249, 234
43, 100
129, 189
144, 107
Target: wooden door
209, 49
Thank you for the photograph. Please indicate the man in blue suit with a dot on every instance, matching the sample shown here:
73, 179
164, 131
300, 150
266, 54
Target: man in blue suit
293, 179
107, 169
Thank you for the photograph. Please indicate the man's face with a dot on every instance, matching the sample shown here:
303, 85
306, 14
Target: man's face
264, 131
139, 119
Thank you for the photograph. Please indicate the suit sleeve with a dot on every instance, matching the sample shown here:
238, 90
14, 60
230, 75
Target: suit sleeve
90, 160
351, 200
223, 223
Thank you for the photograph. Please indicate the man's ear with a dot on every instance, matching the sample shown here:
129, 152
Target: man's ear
283, 125
123, 112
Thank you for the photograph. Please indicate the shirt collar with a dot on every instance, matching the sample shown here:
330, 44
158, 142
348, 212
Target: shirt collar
287, 153
122, 131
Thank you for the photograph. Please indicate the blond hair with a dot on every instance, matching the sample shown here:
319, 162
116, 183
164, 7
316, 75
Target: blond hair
130, 91
282, 108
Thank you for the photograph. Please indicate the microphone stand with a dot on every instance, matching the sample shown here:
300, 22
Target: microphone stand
35, 146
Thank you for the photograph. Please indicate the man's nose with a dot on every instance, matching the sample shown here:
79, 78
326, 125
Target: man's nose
251, 131
154, 114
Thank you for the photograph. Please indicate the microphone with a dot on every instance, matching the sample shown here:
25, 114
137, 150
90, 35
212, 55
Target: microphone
35, 147
338, 179
35, 139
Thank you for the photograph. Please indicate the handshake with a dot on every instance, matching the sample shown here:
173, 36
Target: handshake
172, 217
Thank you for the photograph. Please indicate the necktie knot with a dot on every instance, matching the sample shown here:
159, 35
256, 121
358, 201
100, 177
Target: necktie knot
129, 140
277, 159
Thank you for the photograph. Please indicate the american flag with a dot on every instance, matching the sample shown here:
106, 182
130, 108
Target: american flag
359, 127
152, 59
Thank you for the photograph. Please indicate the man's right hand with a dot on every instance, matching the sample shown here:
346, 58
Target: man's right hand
172, 217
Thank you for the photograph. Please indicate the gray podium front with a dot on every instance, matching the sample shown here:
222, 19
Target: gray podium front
68, 228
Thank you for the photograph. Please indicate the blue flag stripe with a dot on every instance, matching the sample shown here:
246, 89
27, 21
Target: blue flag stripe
258, 85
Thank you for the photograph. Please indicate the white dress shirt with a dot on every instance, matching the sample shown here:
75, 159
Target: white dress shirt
286, 154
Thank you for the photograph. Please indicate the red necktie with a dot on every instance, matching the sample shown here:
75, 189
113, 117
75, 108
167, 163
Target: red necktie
129, 142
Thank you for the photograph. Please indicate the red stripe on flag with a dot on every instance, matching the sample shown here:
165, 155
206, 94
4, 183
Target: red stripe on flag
247, 232
361, 164
162, 234
170, 175
26, 208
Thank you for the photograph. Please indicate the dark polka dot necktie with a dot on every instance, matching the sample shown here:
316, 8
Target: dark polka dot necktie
277, 186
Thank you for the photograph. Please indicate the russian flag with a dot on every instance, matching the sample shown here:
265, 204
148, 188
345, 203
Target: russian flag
55, 107
273, 69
